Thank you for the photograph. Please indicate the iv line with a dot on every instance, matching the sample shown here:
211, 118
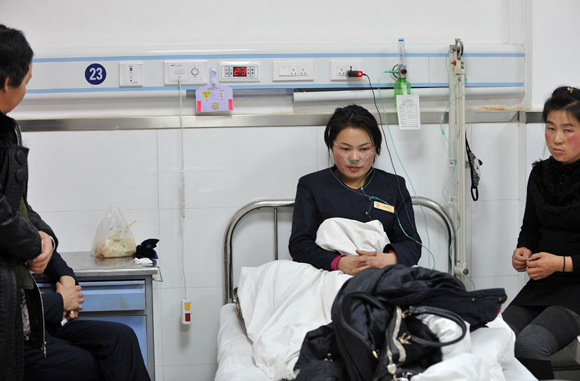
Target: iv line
428, 247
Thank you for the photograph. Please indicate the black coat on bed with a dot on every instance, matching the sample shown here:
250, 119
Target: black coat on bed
323, 353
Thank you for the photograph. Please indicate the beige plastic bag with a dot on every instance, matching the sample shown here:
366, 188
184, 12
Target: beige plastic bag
114, 237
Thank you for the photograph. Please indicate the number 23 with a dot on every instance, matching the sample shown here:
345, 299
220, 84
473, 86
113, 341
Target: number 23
96, 74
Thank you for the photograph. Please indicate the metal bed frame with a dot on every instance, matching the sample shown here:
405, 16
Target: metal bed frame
277, 204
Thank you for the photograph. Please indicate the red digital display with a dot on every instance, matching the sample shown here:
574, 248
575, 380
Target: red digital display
240, 71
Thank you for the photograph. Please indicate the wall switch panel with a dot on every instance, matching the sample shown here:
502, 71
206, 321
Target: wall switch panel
131, 74
188, 72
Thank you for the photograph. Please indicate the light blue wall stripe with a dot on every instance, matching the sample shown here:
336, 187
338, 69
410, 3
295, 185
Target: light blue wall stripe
246, 87
255, 56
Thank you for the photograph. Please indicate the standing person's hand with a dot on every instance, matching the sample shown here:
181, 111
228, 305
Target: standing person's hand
520, 258
39, 263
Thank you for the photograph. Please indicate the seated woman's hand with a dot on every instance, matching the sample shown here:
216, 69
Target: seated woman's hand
541, 265
520, 258
351, 264
368, 259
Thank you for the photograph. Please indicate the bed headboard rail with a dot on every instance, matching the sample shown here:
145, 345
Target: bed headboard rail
276, 204
228, 263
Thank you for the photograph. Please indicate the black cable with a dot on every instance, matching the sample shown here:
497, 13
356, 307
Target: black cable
381, 123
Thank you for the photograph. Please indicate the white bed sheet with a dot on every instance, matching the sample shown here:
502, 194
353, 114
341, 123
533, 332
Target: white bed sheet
235, 361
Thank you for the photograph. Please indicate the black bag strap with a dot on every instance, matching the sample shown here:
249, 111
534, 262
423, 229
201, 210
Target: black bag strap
412, 310
345, 304
450, 315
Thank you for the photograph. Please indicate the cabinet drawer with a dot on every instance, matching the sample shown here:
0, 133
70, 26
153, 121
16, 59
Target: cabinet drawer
109, 296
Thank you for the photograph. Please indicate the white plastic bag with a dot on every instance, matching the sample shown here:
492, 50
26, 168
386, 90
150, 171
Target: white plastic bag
114, 237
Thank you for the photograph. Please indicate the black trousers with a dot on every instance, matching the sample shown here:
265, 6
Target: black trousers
87, 350
541, 332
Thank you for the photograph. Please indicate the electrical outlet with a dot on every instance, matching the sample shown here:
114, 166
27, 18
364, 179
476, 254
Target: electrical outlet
339, 68
293, 70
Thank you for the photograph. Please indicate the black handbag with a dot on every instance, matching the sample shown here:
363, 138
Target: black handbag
388, 342
363, 342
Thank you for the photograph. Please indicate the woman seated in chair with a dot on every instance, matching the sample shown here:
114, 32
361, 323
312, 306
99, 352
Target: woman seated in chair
545, 313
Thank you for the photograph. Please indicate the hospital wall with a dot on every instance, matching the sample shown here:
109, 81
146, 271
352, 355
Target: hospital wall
75, 175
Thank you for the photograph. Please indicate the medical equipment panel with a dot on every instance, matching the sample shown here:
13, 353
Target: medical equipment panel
241, 71
154, 72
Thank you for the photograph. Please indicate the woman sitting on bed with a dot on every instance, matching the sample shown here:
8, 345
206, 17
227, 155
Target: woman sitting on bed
355, 190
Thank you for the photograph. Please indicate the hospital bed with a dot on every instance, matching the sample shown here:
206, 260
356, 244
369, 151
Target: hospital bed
235, 354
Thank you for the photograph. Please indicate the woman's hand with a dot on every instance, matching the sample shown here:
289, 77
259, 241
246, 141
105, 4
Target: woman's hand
39, 263
72, 297
376, 259
541, 265
520, 258
350, 264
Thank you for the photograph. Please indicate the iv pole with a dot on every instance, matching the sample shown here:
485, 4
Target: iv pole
457, 131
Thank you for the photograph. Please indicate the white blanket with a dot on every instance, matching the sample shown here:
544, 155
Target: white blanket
346, 236
281, 301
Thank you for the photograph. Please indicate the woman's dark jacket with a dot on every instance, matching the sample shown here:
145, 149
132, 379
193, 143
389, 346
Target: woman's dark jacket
19, 242
552, 224
322, 195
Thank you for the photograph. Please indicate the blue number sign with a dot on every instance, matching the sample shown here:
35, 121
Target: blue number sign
95, 74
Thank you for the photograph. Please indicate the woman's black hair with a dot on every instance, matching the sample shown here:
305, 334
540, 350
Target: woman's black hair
15, 56
356, 117
563, 98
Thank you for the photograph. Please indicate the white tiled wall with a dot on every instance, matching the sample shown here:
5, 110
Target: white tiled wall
536, 148
75, 176
494, 219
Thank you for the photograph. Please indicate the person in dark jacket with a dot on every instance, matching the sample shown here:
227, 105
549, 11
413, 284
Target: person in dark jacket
80, 349
26, 241
545, 315
355, 190
29, 349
